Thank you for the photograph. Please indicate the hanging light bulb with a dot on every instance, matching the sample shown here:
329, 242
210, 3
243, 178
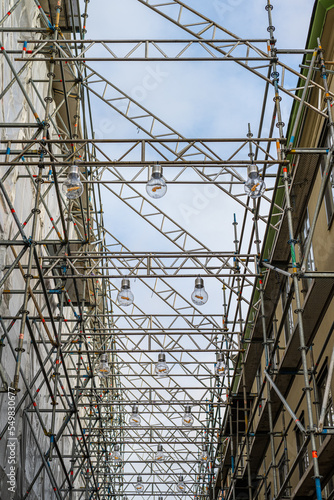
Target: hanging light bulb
220, 365
72, 187
125, 296
135, 419
187, 419
156, 186
181, 486
139, 485
204, 456
103, 369
254, 186
160, 456
199, 295
117, 455
161, 368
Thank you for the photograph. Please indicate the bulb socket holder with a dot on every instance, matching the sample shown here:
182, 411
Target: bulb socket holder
104, 358
220, 356
116, 447
135, 409
125, 284
187, 409
160, 448
252, 171
157, 171
180, 478
199, 283
74, 169
162, 357
139, 479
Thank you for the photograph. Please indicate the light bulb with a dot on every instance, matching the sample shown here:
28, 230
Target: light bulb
156, 186
181, 486
125, 296
204, 456
220, 365
199, 295
254, 186
134, 418
103, 369
72, 187
187, 419
117, 456
139, 485
160, 456
161, 368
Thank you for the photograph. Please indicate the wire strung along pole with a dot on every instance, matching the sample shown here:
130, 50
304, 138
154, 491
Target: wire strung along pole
56, 377
256, 207
292, 242
232, 452
237, 269
35, 212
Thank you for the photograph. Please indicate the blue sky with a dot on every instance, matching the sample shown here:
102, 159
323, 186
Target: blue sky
209, 99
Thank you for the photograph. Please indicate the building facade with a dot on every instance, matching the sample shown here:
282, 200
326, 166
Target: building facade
267, 450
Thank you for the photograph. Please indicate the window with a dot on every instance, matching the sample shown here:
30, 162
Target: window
283, 471
273, 352
288, 323
329, 193
300, 438
328, 490
303, 237
321, 384
329, 198
330, 486
259, 380
329, 416
268, 492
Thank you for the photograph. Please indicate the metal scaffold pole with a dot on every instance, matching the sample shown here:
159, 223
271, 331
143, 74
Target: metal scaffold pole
292, 242
134, 330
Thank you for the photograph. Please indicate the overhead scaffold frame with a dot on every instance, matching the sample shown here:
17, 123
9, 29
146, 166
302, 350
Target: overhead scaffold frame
82, 365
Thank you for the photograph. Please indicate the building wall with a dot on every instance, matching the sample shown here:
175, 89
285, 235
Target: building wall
285, 366
323, 251
14, 108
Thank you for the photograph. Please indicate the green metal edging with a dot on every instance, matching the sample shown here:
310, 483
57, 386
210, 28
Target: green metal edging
318, 18
316, 28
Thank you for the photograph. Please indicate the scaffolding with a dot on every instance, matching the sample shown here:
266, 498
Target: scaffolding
62, 267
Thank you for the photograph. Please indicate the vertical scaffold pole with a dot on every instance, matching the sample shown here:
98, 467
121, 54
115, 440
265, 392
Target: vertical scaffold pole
264, 330
237, 268
35, 211
329, 160
299, 311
